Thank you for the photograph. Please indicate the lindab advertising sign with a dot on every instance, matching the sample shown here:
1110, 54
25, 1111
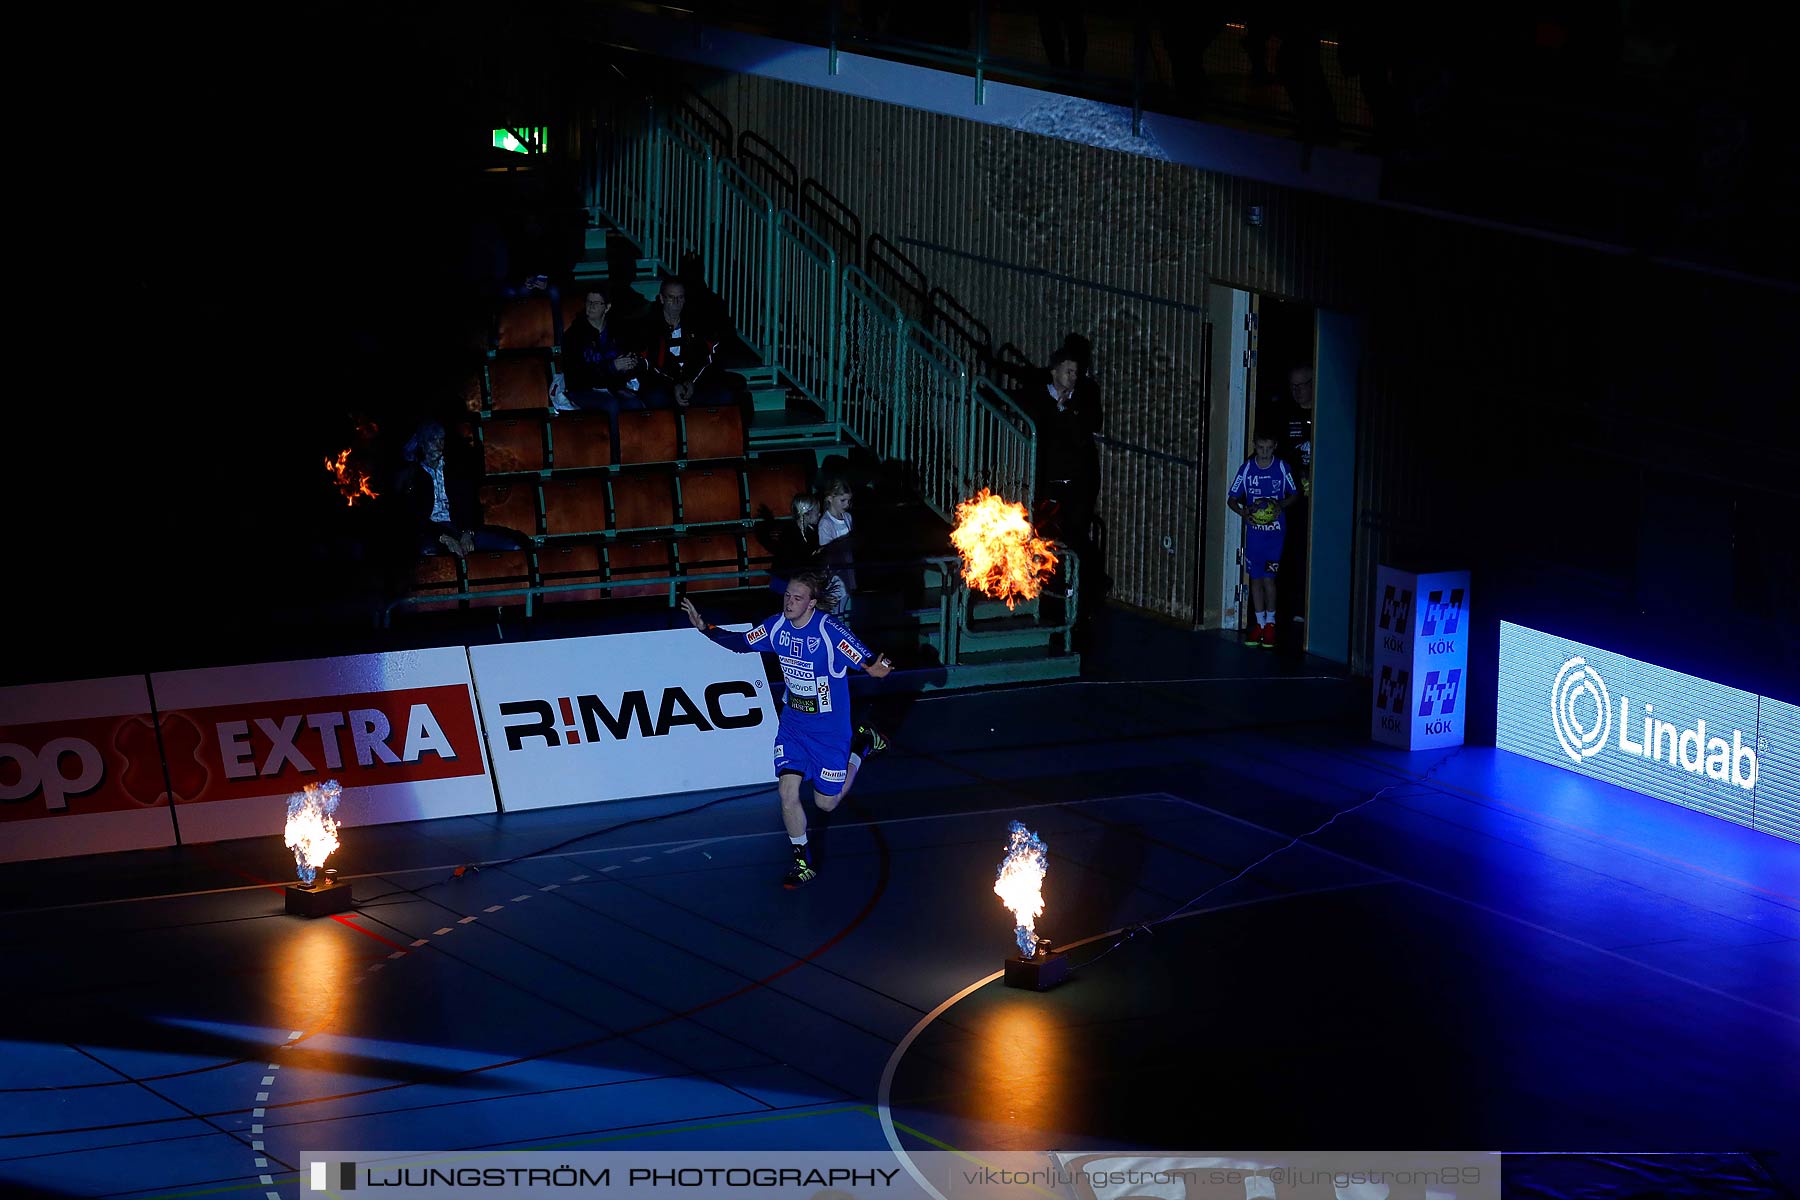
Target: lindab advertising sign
1675, 737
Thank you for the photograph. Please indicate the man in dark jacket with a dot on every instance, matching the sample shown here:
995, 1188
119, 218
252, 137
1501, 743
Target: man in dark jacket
681, 364
438, 491
1067, 413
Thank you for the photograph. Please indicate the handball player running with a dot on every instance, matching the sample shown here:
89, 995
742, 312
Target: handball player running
813, 743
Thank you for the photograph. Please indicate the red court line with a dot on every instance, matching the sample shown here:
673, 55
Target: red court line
344, 920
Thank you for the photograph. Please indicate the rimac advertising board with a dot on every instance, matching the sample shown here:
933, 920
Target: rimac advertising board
624, 715
1719, 750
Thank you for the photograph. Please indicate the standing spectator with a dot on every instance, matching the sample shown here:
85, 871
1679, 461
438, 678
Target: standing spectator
1291, 416
1067, 417
680, 366
837, 543
1262, 490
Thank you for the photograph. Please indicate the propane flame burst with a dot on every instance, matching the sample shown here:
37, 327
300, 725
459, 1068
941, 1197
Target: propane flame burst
312, 830
352, 482
1002, 555
1020, 884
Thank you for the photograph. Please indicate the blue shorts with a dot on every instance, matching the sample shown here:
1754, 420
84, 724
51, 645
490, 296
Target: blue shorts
1262, 553
822, 761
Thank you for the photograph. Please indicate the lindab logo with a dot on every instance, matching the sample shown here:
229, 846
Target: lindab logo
1581, 711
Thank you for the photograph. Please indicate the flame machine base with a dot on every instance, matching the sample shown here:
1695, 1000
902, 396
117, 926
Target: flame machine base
1041, 972
318, 900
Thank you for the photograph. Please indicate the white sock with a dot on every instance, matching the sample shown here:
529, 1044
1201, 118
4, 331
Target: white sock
798, 841
855, 761
1264, 618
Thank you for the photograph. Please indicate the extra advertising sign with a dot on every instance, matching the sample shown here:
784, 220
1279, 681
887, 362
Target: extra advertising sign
1421, 658
1722, 751
79, 770
398, 731
627, 715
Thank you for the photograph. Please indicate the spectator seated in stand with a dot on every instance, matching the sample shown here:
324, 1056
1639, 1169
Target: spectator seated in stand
437, 496
599, 372
680, 367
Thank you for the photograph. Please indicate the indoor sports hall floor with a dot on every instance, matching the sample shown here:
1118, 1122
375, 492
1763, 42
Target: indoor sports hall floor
1490, 954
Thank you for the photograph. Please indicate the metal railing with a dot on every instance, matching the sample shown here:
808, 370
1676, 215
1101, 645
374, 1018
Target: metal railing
1002, 450
743, 259
803, 289
931, 419
954, 626
827, 328
872, 327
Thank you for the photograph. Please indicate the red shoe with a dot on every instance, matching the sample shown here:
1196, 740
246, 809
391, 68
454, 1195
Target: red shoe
1254, 637
1266, 637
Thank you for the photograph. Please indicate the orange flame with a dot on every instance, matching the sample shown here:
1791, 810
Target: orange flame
1002, 555
352, 482
1020, 883
311, 828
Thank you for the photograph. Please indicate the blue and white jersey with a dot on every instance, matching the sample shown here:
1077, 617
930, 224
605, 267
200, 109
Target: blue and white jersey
1260, 486
815, 663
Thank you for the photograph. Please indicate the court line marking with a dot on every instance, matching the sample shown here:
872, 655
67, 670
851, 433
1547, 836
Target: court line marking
884, 1091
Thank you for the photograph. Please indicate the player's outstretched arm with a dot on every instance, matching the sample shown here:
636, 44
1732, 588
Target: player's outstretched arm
740, 641
880, 667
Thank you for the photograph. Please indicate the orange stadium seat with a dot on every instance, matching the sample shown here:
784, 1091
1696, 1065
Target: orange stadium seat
433, 574
642, 501
774, 485
709, 495
519, 383
638, 560
581, 440
566, 563
709, 561
510, 444
498, 570
511, 506
647, 436
526, 323
715, 432
575, 505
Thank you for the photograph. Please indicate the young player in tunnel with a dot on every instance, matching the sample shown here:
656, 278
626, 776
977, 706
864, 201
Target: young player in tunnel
1263, 489
814, 742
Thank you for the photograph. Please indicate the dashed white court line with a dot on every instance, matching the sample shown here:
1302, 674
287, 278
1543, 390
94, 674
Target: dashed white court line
641, 858
467, 919
441, 932
521, 899
614, 867
549, 887
576, 878
267, 1080
493, 908
262, 1162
